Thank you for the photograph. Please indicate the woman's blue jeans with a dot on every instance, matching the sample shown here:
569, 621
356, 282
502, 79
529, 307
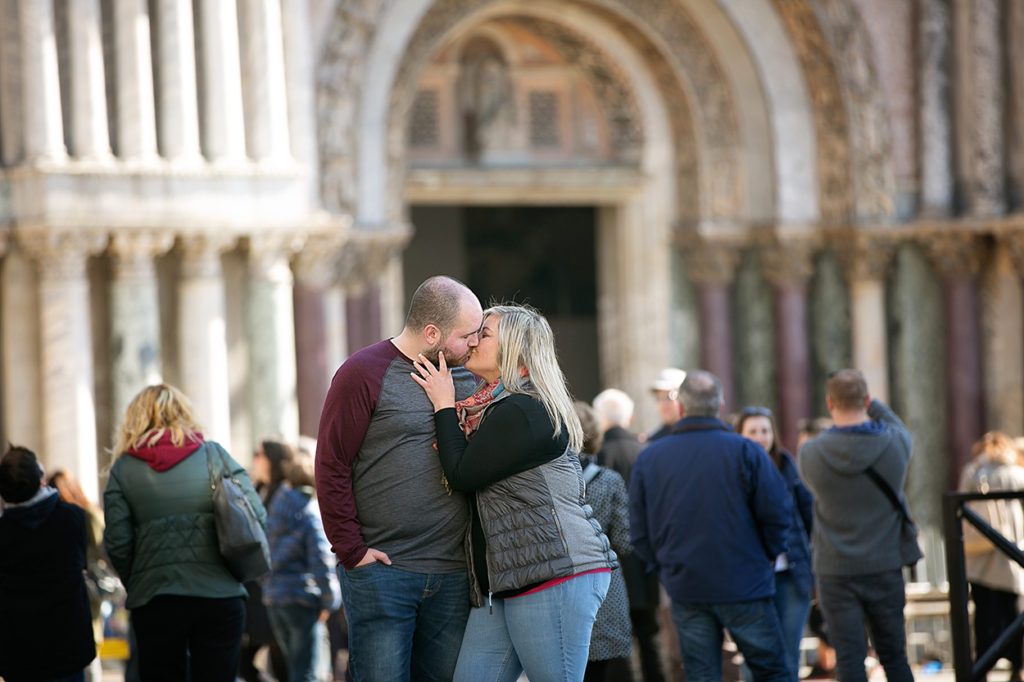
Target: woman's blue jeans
545, 634
299, 632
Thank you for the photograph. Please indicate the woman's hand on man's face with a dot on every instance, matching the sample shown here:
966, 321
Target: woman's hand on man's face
436, 381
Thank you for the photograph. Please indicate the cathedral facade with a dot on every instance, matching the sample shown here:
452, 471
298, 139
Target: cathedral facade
231, 196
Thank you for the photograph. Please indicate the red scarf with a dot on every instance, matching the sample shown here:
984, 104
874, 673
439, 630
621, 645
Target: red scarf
164, 454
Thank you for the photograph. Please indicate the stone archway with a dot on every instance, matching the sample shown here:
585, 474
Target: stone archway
717, 168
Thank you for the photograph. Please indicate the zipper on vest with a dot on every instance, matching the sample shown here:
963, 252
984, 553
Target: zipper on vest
490, 605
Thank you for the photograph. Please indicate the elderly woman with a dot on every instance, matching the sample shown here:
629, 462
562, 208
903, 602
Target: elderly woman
540, 565
188, 611
996, 580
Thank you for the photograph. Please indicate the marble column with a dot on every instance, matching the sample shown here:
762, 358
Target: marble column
175, 66
136, 113
865, 262
1014, 29
957, 259
202, 344
300, 71
314, 275
788, 267
266, 98
712, 267
134, 314
65, 340
223, 124
40, 82
89, 132
1002, 321
271, 324
19, 338
11, 132
934, 39
979, 91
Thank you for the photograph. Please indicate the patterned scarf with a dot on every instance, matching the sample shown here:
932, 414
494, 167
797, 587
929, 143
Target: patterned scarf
471, 410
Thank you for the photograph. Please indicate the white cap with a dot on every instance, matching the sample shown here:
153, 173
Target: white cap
668, 379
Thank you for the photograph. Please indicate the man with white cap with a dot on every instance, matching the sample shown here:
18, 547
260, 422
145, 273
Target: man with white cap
666, 389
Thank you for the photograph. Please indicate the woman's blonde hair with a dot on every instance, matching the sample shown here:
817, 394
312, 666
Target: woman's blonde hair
154, 411
525, 340
996, 446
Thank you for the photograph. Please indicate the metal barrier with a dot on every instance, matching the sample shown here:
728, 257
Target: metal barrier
954, 511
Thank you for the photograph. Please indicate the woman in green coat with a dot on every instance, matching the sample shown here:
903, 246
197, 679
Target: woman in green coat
188, 611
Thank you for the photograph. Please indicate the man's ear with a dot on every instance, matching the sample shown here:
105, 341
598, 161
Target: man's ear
431, 334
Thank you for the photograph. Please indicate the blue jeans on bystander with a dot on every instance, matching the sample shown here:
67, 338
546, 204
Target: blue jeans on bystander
753, 625
298, 632
402, 625
545, 634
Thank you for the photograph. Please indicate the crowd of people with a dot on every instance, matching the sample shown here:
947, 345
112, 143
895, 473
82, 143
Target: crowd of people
478, 524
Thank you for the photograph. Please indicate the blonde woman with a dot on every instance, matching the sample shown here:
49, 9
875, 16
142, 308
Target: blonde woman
188, 611
539, 563
996, 580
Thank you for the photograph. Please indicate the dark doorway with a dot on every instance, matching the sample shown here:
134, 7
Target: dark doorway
544, 256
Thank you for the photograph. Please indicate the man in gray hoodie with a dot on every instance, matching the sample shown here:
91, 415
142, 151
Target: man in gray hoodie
856, 537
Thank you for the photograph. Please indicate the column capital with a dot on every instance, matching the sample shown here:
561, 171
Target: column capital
200, 254
135, 249
1014, 242
365, 254
61, 253
954, 254
315, 264
270, 253
863, 256
788, 262
710, 263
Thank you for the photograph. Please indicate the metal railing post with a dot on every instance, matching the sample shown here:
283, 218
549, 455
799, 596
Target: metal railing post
956, 570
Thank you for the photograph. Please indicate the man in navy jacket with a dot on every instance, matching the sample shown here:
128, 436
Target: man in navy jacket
709, 512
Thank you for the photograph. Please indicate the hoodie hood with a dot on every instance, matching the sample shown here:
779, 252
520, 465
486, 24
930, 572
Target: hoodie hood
164, 454
34, 512
852, 449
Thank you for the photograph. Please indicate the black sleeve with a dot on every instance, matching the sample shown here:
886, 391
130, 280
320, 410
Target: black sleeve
512, 438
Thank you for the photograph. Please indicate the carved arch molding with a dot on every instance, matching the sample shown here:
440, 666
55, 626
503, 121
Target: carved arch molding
854, 169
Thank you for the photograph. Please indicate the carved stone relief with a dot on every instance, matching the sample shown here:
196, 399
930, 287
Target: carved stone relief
681, 49
874, 185
830, 120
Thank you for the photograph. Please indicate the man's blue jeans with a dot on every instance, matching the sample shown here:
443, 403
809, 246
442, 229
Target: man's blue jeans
753, 625
545, 634
403, 625
849, 602
298, 631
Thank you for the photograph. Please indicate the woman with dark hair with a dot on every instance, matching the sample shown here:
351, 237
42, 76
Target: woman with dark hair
794, 582
188, 610
268, 473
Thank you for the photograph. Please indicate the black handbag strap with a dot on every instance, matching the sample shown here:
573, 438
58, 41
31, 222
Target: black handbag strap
887, 489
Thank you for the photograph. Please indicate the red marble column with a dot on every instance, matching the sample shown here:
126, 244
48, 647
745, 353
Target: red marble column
964, 394
957, 258
313, 375
716, 337
362, 311
712, 267
788, 267
793, 360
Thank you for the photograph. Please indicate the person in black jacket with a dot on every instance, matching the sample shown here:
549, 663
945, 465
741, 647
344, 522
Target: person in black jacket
45, 622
